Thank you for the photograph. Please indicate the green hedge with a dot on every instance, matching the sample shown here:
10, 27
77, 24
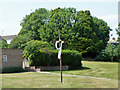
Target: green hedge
12, 70
110, 53
71, 58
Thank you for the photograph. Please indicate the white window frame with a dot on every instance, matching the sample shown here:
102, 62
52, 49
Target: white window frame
4, 58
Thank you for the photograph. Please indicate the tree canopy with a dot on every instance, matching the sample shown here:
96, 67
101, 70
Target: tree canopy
86, 33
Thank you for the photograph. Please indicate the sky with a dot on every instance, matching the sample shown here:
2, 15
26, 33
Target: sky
13, 11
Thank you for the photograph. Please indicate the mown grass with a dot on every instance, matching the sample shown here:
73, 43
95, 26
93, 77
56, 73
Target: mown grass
41, 80
96, 69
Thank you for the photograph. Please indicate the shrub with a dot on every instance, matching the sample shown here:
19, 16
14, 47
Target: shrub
12, 70
32, 48
71, 58
109, 54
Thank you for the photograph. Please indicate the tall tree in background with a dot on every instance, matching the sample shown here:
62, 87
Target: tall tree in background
102, 31
84, 34
87, 34
59, 19
31, 23
91, 33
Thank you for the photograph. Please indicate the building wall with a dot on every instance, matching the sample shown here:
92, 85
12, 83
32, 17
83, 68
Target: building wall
14, 58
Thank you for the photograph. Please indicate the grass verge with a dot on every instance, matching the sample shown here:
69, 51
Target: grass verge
40, 80
96, 69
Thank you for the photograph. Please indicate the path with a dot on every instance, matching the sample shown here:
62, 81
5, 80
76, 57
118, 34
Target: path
75, 75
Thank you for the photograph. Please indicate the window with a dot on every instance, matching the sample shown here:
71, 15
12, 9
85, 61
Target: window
4, 58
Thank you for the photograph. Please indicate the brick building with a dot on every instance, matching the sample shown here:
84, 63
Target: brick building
11, 58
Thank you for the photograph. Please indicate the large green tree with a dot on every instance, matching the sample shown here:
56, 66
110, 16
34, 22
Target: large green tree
31, 23
62, 19
84, 36
78, 27
87, 34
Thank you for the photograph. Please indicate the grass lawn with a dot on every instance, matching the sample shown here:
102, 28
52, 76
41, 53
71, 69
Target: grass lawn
42, 80
96, 69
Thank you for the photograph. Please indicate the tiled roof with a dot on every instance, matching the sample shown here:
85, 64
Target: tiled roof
7, 37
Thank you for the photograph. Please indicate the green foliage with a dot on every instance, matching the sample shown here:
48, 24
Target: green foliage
78, 27
12, 70
102, 29
91, 33
31, 23
59, 19
19, 41
32, 48
49, 58
87, 34
109, 53
3, 44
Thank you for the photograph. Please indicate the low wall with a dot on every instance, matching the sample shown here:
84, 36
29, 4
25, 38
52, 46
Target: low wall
52, 68
46, 68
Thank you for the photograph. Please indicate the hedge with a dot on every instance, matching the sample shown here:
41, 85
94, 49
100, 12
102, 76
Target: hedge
71, 58
110, 53
13, 70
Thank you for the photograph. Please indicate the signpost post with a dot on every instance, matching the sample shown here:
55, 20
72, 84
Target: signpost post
59, 54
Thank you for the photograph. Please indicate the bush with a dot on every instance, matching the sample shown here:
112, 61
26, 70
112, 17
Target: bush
32, 48
71, 58
13, 70
109, 54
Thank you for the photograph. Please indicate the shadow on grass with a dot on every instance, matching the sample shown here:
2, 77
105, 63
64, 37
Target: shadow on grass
81, 68
13, 70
